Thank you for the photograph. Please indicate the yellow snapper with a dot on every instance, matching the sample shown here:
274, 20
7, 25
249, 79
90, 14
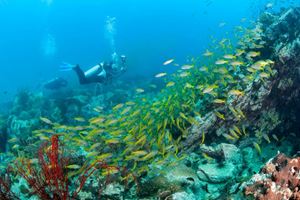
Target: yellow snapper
229, 56
187, 67
253, 54
236, 63
208, 53
46, 120
140, 90
160, 75
170, 84
168, 62
236, 92
221, 62
184, 74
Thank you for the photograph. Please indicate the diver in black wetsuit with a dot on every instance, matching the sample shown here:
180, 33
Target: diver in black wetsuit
101, 73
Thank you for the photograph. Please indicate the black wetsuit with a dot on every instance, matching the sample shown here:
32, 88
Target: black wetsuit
95, 77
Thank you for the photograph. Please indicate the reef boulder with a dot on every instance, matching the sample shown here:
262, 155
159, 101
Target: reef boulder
225, 171
174, 179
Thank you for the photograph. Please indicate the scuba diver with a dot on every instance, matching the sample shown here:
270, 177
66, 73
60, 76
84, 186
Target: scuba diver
100, 73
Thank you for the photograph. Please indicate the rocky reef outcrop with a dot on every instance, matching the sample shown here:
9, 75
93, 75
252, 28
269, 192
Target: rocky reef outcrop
272, 107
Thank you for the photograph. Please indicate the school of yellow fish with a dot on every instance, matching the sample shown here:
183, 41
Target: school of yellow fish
148, 130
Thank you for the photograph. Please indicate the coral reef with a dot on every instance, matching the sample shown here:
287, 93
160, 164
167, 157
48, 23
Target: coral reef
199, 136
278, 179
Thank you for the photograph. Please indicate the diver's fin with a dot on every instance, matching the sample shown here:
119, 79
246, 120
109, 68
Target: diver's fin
66, 67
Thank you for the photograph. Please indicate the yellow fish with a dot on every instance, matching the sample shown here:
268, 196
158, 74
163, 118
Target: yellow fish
91, 154
256, 67
275, 137
136, 112
139, 153
118, 106
79, 119
257, 147
13, 140
203, 138
234, 134
220, 115
96, 120
170, 84
110, 122
184, 74
236, 92
140, 90
236, 63
207, 53
203, 69
126, 110
264, 75
168, 62
94, 146
207, 157
229, 137
98, 109
130, 103
270, 62
253, 54
186, 67
209, 89
221, 70
112, 141
160, 75
46, 120
237, 129
104, 156
249, 69
258, 46
16, 146
219, 101
42, 137
266, 137
149, 156
109, 172
229, 56
221, 62
142, 140
73, 167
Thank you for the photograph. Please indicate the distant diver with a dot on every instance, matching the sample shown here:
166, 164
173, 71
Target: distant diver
100, 73
55, 84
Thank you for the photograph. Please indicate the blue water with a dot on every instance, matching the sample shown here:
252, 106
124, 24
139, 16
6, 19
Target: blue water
38, 35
